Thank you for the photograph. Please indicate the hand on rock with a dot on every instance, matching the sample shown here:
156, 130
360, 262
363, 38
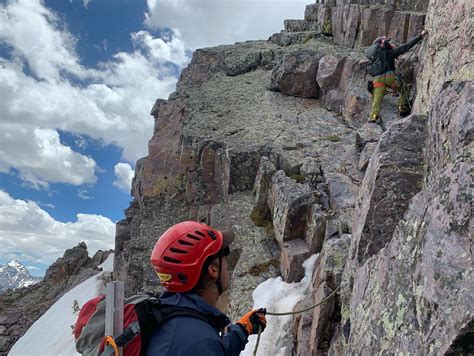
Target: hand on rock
424, 33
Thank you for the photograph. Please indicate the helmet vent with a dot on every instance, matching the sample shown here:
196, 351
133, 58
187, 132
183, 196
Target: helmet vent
185, 243
177, 250
200, 233
193, 237
212, 234
183, 278
171, 259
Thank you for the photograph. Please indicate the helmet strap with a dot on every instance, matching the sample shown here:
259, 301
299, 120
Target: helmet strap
218, 281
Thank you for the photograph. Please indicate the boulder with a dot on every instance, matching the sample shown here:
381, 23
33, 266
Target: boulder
311, 12
289, 202
295, 74
293, 254
329, 72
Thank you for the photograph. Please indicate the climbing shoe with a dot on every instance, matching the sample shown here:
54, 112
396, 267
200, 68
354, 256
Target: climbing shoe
374, 118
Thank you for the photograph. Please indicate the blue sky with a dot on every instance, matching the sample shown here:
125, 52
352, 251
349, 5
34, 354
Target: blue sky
77, 81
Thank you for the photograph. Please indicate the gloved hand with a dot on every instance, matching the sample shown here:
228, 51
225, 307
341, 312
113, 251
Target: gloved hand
253, 320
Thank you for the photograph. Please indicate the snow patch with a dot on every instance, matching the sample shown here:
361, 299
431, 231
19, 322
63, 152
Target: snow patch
278, 296
52, 333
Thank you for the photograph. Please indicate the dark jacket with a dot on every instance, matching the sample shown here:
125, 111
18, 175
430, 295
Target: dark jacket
187, 335
392, 54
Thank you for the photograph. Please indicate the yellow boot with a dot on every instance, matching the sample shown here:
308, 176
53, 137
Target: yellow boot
374, 118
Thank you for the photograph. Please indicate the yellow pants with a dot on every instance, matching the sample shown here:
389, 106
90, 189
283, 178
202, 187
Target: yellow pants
380, 86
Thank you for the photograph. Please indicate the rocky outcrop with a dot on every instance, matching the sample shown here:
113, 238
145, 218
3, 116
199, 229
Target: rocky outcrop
426, 269
20, 308
447, 50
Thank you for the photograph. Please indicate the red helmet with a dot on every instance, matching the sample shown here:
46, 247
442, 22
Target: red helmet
179, 254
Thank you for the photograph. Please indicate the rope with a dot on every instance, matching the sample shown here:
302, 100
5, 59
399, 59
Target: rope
292, 313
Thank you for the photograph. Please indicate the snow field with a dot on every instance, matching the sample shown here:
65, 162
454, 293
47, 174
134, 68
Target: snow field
52, 334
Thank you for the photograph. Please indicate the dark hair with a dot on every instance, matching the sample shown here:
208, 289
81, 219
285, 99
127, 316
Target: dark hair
204, 280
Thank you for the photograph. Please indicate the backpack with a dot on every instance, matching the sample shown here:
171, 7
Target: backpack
378, 62
142, 315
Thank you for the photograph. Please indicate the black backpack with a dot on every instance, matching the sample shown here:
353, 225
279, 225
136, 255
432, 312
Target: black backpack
378, 60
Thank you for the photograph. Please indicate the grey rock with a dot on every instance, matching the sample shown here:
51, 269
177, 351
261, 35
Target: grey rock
315, 228
293, 254
10, 318
332, 261
365, 155
321, 325
296, 73
367, 133
155, 110
329, 72
300, 25
285, 38
262, 187
289, 202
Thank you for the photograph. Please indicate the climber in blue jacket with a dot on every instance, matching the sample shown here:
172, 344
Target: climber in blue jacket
190, 260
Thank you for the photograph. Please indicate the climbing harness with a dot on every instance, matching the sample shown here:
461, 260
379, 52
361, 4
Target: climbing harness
292, 313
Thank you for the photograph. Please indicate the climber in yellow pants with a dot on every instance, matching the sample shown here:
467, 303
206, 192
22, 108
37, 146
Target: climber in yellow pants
391, 80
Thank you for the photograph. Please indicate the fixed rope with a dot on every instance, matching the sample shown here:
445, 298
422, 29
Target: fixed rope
292, 313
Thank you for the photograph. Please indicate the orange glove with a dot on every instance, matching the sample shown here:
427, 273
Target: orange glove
253, 320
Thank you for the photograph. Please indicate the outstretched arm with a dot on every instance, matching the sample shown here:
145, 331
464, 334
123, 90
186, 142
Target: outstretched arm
405, 47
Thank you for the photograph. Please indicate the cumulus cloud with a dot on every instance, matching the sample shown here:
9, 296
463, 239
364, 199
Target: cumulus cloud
25, 227
44, 89
42, 159
124, 174
212, 22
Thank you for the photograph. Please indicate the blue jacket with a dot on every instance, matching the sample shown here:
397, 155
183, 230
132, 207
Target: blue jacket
188, 335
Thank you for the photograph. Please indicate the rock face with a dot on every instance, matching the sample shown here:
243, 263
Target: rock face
20, 308
385, 206
426, 269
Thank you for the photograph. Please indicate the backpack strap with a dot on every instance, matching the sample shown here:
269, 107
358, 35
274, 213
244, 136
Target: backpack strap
161, 314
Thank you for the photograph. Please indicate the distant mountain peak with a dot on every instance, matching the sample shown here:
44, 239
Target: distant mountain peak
14, 275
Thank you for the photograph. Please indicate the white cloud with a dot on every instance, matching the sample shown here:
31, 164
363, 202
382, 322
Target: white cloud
41, 158
44, 88
25, 227
205, 23
83, 194
124, 174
